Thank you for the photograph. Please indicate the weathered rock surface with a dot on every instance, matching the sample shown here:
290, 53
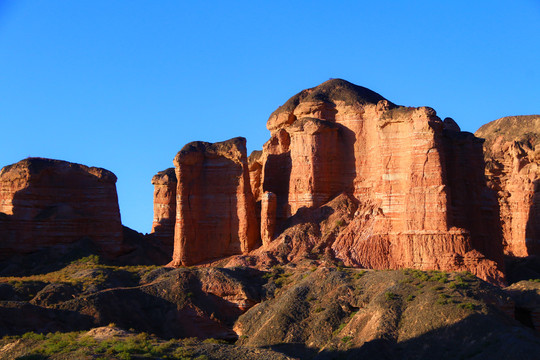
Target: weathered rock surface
417, 181
268, 217
215, 206
512, 156
330, 313
526, 295
164, 206
255, 173
51, 202
302, 311
171, 303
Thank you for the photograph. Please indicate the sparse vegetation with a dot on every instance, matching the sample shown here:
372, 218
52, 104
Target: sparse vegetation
359, 274
467, 306
459, 283
340, 327
74, 274
346, 339
390, 296
443, 299
78, 344
282, 279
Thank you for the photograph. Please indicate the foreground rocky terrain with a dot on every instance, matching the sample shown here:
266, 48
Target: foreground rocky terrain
361, 229
315, 310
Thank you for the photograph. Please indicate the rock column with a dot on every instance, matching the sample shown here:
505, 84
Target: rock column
215, 209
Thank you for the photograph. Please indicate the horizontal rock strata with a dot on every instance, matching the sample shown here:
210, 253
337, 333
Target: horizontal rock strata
512, 156
50, 202
164, 205
215, 209
419, 179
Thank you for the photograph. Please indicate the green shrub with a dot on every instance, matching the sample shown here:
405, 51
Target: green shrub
340, 327
33, 336
390, 295
346, 339
214, 341
467, 306
359, 274
443, 299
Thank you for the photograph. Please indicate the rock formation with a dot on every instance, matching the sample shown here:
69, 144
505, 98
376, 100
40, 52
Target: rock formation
268, 217
50, 202
164, 205
418, 180
512, 155
215, 209
415, 182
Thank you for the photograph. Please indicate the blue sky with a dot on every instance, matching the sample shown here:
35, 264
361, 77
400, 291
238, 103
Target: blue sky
125, 85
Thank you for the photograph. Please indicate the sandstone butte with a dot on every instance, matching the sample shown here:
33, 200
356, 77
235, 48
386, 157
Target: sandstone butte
413, 187
215, 209
46, 202
512, 156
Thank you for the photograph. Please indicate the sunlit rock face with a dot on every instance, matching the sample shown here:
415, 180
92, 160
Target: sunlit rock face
418, 180
164, 205
51, 202
512, 156
215, 209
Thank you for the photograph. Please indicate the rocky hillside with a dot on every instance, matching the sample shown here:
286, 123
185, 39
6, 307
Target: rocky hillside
316, 310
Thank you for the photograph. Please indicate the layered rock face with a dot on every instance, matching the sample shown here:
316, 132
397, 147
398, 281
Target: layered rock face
348, 174
215, 209
512, 155
418, 180
49, 202
164, 205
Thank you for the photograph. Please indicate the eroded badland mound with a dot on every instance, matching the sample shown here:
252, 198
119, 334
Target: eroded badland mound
361, 229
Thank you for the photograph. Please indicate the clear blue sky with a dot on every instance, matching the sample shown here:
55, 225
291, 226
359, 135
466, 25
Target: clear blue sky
125, 84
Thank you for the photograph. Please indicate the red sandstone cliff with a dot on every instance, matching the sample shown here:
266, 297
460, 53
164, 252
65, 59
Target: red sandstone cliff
49, 202
512, 155
164, 206
215, 209
418, 180
407, 189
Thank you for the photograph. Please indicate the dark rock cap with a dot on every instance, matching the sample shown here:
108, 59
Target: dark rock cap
330, 91
34, 166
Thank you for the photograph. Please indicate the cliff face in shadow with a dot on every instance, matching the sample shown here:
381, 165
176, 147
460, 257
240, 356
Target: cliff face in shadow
51, 202
512, 156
